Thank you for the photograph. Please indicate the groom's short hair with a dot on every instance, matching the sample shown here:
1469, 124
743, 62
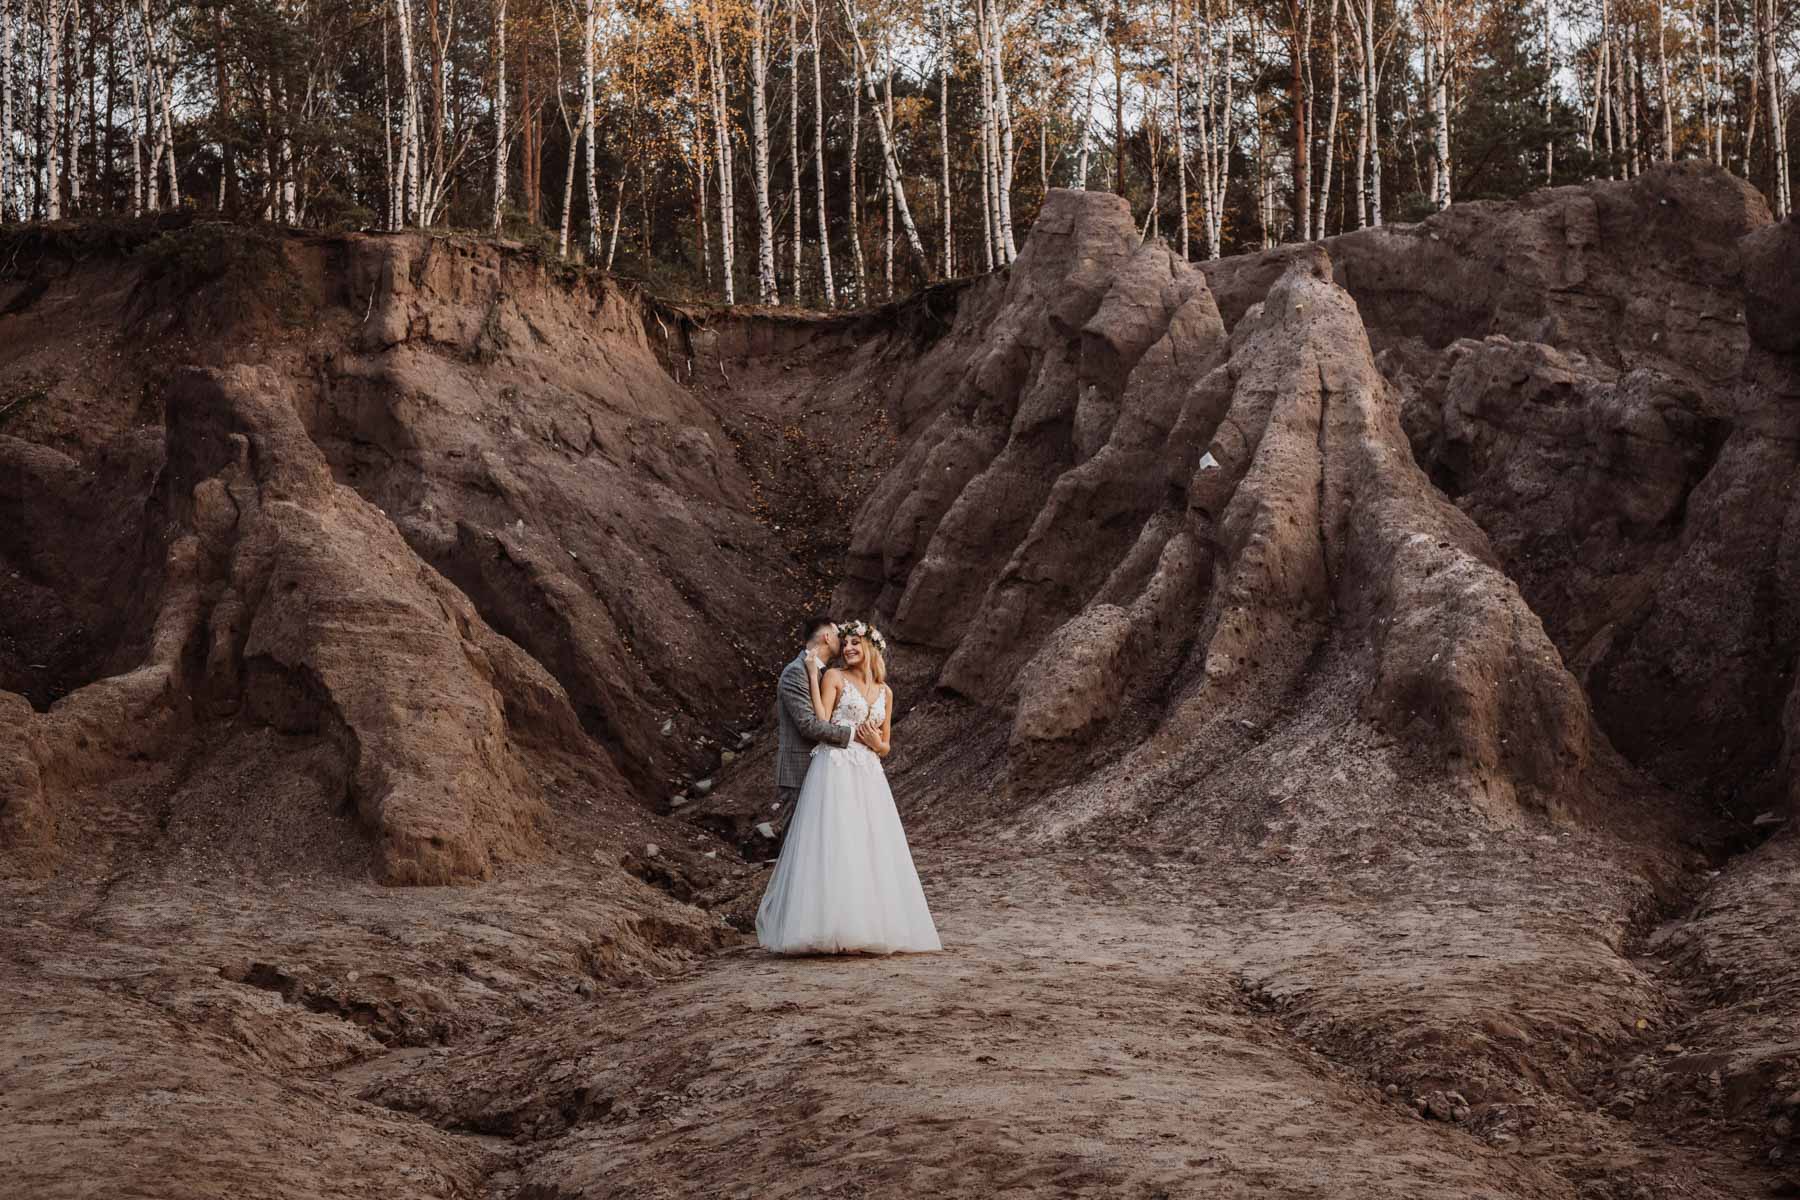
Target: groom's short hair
810, 629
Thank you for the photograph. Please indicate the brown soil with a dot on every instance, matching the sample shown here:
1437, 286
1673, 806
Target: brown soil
1347, 716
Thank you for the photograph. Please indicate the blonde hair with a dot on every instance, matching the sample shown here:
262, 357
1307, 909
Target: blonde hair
877, 664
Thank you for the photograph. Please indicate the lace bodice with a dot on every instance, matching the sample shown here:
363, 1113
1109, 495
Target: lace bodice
852, 709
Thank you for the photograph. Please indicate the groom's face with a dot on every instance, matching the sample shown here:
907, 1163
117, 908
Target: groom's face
833, 644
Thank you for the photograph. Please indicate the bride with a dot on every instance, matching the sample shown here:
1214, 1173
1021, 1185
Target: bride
845, 881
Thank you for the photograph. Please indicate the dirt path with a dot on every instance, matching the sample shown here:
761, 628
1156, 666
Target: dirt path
1068, 1042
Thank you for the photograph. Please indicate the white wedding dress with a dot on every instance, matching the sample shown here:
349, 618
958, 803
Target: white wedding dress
845, 882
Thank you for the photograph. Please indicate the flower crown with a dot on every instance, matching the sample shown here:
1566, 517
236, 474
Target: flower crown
865, 631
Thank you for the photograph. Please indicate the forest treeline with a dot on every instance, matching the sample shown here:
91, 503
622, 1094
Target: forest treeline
830, 152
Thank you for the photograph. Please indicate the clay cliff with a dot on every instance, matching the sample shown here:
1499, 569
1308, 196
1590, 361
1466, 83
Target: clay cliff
1413, 615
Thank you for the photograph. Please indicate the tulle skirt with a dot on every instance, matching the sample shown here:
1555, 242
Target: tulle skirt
845, 882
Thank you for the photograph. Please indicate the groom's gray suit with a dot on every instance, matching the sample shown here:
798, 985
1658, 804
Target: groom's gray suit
798, 732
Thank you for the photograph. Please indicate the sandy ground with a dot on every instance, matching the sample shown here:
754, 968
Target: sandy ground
1100, 1024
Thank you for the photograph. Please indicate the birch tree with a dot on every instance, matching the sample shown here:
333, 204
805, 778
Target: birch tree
1214, 119
944, 52
1331, 123
590, 33
1004, 129
713, 19
54, 19
1176, 54
7, 173
759, 149
819, 158
890, 163
1780, 195
1549, 90
793, 30
1362, 14
499, 112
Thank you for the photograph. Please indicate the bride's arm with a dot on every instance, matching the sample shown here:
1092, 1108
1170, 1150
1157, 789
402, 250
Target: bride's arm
880, 738
824, 693
796, 696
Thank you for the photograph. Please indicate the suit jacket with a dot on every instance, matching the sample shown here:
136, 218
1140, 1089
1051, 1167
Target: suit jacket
798, 729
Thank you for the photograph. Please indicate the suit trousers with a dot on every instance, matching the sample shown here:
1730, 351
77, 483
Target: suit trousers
785, 799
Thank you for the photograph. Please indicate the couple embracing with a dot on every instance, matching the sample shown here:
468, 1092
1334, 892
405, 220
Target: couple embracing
845, 882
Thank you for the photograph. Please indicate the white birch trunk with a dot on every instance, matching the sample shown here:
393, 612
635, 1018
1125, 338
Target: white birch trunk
819, 160
1359, 181
1549, 90
618, 217
890, 163
1216, 111
944, 135
573, 130
1175, 57
1782, 197
1331, 123
722, 142
1633, 74
54, 19
588, 88
856, 198
1087, 118
387, 135
1440, 92
289, 202
137, 138
1003, 107
1662, 81
1372, 109
7, 173
793, 7
499, 115
1718, 89
990, 220
759, 146
73, 169
409, 119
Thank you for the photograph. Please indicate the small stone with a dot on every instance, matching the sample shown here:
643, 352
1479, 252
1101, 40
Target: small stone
678, 800
1784, 1127
1621, 1107
668, 727
766, 829
585, 988
702, 786
1392, 1089
1459, 1114
651, 850
1765, 819
727, 758
744, 740
1674, 1048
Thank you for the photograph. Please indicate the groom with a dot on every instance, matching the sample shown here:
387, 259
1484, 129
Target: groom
798, 729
